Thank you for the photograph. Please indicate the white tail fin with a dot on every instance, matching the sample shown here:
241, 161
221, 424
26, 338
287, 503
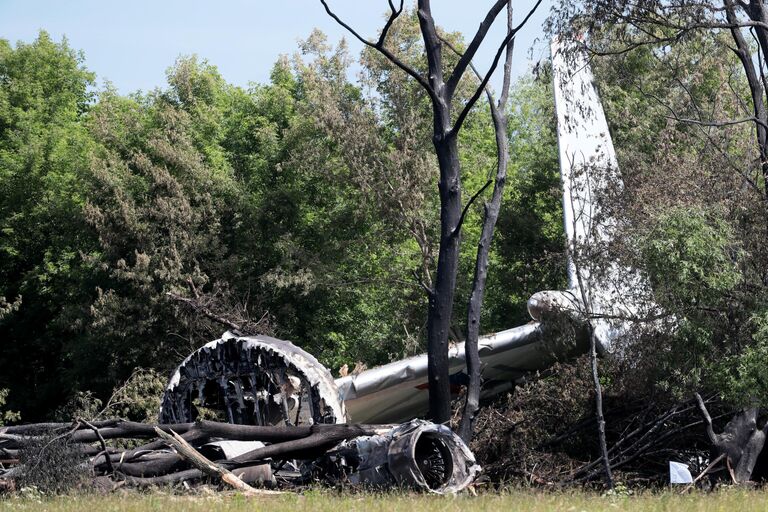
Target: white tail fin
588, 162
610, 293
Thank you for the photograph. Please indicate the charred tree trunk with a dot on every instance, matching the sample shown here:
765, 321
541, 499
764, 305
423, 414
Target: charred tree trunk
441, 298
441, 85
491, 215
741, 441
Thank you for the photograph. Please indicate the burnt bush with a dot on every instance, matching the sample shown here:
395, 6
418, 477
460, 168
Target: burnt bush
513, 433
545, 432
52, 464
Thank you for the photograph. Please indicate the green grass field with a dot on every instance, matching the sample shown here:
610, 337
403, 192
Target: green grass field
727, 500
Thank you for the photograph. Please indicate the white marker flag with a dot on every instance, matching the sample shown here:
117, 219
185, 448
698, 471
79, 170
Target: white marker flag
679, 474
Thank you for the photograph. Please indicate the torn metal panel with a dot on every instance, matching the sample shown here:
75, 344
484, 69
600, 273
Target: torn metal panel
228, 449
417, 455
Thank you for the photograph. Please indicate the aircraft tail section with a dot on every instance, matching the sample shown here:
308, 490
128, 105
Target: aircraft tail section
609, 293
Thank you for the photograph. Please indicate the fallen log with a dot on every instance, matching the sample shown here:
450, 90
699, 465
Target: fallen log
125, 456
45, 428
153, 464
173, 478
322, 438
128, 430
208, 467
450, 468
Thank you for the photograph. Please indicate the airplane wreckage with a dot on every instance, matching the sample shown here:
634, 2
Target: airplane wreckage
290, 420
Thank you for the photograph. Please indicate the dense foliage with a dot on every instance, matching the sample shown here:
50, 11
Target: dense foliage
694, 209
307, 203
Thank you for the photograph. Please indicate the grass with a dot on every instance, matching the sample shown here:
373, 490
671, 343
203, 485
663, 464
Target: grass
730, 500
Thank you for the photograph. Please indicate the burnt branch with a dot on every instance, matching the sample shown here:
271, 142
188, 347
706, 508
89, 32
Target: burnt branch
491, 213
379, 46
103, 443
394, 13
479, 77
713, 438
510, 35
472, 199
428, 290
466, 57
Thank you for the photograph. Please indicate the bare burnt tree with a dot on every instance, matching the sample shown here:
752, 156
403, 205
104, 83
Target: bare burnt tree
491, 214
440, 84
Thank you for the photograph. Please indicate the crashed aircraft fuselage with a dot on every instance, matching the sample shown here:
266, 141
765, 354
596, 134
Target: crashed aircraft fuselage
261, 380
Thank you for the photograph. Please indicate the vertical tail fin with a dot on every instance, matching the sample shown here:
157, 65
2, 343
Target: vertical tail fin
610, 293
588, 164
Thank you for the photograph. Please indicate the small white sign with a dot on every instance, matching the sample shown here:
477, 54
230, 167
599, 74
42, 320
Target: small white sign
679, 473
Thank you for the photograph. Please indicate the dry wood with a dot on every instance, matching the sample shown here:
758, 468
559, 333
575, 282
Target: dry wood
193, 436
200, 308
43, 428
206, 466
152, 464
104, 447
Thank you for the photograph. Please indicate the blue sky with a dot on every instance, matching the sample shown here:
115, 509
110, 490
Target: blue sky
132, 43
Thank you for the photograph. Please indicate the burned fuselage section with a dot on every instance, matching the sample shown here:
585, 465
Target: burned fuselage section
263, 381
254, 380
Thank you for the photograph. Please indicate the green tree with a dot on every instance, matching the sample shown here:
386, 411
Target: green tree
44, 158
162, 201
333, 268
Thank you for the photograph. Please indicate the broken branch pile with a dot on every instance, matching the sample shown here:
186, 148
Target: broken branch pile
418, 454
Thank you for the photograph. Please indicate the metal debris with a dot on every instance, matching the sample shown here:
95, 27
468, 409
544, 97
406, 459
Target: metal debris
417, 455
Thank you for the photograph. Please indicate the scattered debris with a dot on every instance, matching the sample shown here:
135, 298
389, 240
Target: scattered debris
418, 455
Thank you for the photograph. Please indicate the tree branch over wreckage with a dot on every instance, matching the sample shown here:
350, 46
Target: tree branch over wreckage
446, 128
